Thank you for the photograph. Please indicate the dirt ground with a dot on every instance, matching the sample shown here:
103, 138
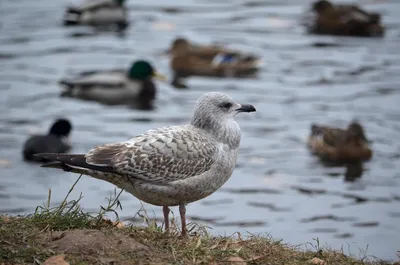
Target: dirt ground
94, 246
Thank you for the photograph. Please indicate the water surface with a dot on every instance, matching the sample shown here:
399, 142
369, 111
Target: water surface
278, 188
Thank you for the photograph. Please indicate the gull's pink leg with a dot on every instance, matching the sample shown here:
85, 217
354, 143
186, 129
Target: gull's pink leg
182, 211
166, 217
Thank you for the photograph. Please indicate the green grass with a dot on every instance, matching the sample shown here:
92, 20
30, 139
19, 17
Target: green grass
33, 238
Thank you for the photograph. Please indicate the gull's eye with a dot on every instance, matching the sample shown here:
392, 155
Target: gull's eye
226, 105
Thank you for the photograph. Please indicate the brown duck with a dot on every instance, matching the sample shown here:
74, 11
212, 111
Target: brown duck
188, 59
341, 145
344, 20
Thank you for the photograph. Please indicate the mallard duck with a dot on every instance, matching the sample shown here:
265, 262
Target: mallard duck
134, 87
194, 60
345, 20
335, 144
97, 13
55, 141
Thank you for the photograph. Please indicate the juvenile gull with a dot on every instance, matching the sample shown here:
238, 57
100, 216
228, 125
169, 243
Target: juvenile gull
169, 166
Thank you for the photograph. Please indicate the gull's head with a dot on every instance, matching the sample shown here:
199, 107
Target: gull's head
214, 109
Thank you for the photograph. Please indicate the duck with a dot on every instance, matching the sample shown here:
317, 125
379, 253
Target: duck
134, 87
344, 20
189, 59
56, 140
348, 145
97, 13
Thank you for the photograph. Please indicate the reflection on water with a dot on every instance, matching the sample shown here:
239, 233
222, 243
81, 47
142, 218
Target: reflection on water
278, 187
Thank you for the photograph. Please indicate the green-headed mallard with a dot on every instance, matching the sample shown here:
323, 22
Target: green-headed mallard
195, 60
55, 141
134, 87
97, 13
344, 20
340, 145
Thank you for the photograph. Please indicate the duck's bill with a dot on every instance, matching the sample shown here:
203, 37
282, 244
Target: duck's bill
159, 76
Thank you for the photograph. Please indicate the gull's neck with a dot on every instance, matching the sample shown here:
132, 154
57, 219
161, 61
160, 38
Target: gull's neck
226, 130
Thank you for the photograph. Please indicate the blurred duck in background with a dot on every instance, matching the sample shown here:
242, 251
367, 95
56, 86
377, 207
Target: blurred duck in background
345, 20
188, 59
340, 145
101, 13
55, 141
134, 87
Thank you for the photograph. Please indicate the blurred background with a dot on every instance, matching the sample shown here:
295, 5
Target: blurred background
278, 187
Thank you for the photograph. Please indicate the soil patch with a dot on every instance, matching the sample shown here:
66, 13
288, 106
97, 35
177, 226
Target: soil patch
91, 243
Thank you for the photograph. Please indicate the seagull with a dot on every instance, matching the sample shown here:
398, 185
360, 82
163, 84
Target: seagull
169, 166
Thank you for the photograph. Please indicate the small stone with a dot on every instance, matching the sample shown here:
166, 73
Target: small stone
236, 261
317, 261
56, 260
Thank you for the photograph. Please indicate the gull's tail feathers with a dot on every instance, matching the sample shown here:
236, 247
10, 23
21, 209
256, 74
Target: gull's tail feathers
72, 162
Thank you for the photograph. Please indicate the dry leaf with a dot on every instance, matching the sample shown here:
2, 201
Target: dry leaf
198, 243
317, 261
118, 224
256, 258
215, 245
6, 219
236, 261
56, 260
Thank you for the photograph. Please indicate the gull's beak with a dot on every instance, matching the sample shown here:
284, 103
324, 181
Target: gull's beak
246, 108
159, 76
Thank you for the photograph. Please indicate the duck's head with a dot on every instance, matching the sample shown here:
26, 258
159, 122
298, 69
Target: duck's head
374, 18
356, 131
61, 127
315, 129
179, 46
142, 70
322, 5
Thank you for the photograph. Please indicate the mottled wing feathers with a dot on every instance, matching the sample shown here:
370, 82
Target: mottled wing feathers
335, 144
161, 156
333, 136
330, 136
102, 155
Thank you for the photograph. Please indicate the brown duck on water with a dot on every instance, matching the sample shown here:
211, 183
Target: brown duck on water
188, 59
340, 145
344, 20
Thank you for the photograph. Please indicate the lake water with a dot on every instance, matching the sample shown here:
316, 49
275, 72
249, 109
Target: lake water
278, 188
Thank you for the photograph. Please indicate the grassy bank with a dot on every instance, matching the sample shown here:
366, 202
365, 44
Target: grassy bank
85, 238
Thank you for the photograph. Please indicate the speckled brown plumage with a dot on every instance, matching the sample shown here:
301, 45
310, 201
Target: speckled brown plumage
345, 20
188, 59
335, 144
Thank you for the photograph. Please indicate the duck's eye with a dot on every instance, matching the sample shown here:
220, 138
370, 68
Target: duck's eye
226, 105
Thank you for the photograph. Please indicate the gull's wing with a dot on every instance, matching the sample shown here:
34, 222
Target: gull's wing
159, 156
